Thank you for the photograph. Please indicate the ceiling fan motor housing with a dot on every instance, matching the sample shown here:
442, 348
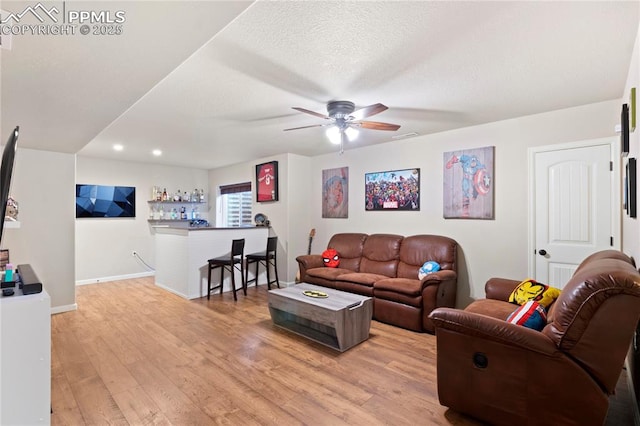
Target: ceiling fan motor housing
340, 109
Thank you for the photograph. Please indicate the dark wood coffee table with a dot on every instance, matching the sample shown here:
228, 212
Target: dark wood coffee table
340, 321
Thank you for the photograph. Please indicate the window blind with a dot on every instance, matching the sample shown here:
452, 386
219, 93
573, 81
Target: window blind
234, 188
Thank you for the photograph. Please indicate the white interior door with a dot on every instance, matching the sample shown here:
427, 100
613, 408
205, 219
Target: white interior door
575, 191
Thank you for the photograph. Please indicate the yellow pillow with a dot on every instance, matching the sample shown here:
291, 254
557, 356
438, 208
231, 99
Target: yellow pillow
530, 289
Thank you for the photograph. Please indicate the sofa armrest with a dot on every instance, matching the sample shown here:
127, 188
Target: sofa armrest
487, 328
308, 261
500, 288
438, 277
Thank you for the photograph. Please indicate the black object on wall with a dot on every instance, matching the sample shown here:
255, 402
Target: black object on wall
624, 130
632, 188
6, 171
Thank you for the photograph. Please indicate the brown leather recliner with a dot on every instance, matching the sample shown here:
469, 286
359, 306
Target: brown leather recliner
508, 374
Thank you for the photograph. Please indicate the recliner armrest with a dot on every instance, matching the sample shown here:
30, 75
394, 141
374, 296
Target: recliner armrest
500, 288
438, 277
485, 327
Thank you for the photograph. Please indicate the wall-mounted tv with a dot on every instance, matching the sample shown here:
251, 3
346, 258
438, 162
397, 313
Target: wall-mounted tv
6, 170
105, 201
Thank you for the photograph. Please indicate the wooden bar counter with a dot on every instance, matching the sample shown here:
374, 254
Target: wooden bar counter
182, 254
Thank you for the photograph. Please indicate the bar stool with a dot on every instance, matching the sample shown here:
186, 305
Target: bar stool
229, 262
267, 257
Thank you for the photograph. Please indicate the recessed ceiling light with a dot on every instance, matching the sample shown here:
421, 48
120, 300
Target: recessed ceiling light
157, 152
118, 147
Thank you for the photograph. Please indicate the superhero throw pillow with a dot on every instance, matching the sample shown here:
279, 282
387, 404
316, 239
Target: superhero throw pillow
530, 315
530, 289
427, 268
331, 258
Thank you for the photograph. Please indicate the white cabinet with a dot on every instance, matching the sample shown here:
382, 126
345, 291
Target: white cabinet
25, 359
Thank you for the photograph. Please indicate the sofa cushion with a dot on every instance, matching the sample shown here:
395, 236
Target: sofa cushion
362, 278
380, 254
349, 246
407, 286
530, 289
356, 288
327, 273
416, 249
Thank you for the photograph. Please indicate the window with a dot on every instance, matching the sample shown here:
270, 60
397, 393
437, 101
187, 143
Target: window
235, 205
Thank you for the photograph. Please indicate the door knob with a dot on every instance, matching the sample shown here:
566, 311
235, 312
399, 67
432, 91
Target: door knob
542, 252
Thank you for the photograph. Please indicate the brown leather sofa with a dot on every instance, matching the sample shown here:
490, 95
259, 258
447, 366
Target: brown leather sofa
507, 374
385, 267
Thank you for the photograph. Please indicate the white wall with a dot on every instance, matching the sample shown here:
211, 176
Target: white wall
43, 185
105, 245
488, 247
299, 184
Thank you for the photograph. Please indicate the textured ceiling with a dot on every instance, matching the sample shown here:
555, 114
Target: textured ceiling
218, 88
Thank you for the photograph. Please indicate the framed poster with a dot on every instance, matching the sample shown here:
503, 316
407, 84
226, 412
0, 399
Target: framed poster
335, 193
267, 182
392, 190
468, 184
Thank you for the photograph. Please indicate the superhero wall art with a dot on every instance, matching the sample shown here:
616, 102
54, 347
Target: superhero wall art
468, 184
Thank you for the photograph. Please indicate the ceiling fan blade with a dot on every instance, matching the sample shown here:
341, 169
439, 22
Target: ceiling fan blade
306, 111
368, 111
305, 127
376, 125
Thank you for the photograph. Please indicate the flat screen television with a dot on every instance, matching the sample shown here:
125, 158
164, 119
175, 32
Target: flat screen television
6, 170
105, 201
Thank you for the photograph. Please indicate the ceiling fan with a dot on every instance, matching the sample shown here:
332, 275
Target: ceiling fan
344, 120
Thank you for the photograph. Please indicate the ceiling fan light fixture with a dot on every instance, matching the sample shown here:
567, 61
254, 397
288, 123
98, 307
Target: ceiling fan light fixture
352, 133
333, 133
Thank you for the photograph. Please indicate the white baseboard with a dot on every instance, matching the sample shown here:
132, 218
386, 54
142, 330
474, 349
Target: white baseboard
115, 278
632, 392
177, 293
64, 308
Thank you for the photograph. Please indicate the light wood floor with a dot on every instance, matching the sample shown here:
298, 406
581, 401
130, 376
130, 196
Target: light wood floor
135, 354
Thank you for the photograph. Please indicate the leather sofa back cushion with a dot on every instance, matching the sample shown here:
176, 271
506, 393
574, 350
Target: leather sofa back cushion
349, 247
380, 254
417, 249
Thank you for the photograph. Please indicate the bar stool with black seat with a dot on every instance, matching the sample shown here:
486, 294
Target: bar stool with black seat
267, 258
229, 262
